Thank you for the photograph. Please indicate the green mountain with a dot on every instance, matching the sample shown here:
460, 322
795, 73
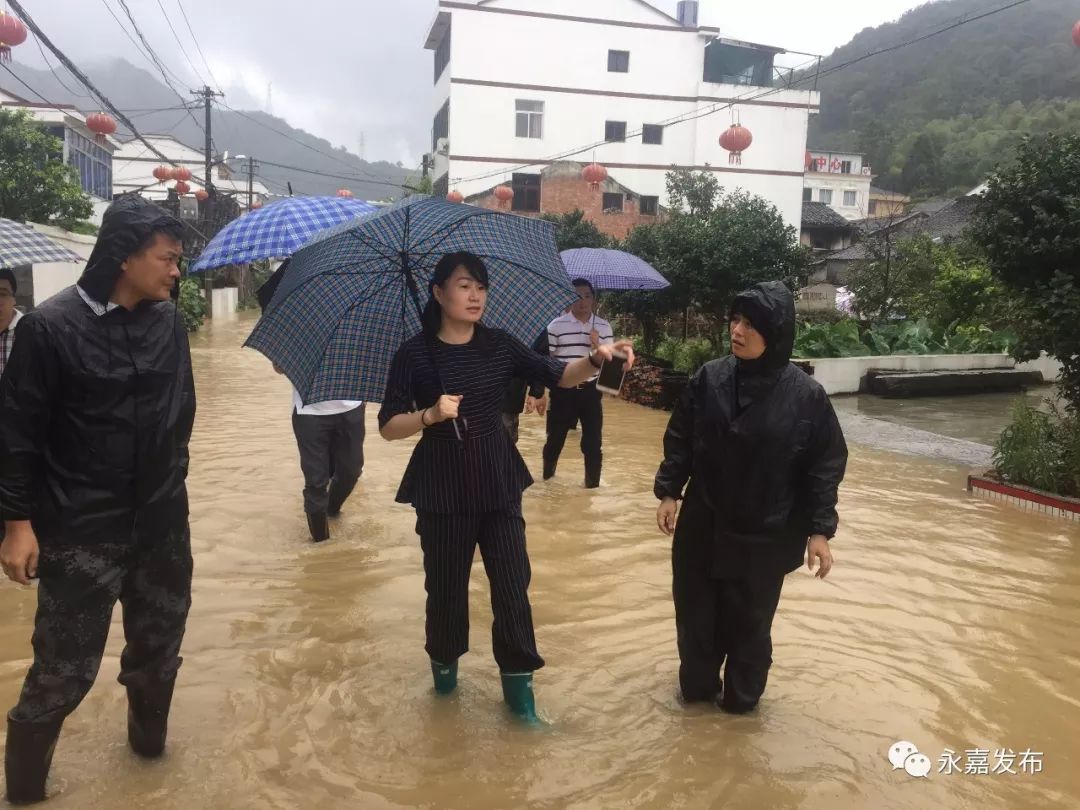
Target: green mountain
935, 117
133, 89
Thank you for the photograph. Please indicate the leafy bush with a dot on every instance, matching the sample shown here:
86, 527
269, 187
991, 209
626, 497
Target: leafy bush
847, 339
1041, 449
688, 356
192, 304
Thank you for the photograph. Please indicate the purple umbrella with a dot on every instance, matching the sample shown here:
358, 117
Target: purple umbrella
612, 269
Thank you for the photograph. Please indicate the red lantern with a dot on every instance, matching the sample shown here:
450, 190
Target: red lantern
594, 174
181, 187
736, 139
455, 196
12, 33
504, 194
163, 173
181, 173
101, 125
202, 195
256, 205
1076, 35
344, 192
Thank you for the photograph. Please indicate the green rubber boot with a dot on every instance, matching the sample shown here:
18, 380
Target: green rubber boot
445, 676
518, 693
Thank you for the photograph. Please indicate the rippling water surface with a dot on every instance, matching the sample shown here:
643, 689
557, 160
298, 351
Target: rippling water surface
949, 622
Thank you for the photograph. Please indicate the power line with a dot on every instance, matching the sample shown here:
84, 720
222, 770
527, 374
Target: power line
179, 42
352, 179
52, 104
56, 75
198, 47
703, 112
132, 39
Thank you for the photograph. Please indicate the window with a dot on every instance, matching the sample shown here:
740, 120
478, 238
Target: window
851, 199
650, 206
873, 208
735, 64
652, 134
807, 195
442, 56
615, 131
526, 193
94, 164
613, 202
618, 61
440, 128
845, 167
825, 196
530, 119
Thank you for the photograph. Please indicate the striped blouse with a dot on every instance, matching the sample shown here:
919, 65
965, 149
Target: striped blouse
482, 471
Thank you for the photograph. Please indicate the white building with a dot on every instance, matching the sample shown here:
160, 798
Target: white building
841, 180
92, 159
134, 164
522, 82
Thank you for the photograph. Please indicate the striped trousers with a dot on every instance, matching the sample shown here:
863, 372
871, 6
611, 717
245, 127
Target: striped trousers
449, 543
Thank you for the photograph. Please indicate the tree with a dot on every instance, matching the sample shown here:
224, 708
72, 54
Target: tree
897, 269
35, 184
1029, 226
577, 232
693, 193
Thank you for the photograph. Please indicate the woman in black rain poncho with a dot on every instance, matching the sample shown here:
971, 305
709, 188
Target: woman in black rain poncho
761, 448
466, 477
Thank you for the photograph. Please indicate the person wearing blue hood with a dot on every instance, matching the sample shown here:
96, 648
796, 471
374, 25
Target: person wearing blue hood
757, 446
96, 411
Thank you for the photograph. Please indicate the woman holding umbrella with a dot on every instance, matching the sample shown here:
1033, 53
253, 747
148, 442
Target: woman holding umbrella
466, 477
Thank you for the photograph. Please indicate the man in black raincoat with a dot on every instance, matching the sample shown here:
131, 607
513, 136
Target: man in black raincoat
95, 415
761, 448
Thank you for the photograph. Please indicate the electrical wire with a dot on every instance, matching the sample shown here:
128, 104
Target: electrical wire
56, 75
179, 42
703, 112
198, 47
132, 39
316, 172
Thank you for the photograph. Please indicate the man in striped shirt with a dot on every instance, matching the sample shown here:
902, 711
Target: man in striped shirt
570, 337
9, 316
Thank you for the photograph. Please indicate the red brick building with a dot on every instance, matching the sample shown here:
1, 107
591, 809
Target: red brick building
560, 189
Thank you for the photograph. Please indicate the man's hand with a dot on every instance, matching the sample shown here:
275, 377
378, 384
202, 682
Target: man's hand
607, 351
665, 515
19, 552
817, 549
278, 369
541, 405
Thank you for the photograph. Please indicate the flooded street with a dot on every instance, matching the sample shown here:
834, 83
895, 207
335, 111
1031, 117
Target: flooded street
948, 621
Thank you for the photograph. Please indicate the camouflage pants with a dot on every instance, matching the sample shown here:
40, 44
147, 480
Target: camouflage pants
78, 588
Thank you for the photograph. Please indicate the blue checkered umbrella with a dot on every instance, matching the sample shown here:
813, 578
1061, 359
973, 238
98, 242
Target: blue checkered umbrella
354, 295
278, 230
20, 244
612, 270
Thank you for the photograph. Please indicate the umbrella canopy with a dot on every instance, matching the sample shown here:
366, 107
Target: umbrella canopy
278, 230
612, 270
20, 244
353, 296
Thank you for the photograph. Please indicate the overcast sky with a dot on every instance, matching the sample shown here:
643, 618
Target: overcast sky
340, 68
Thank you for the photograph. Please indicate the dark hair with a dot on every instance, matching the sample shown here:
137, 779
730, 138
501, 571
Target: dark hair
166, 226
583, 282
8, 276
431, 320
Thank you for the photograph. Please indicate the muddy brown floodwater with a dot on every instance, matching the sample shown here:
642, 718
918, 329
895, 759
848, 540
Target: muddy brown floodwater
948, 621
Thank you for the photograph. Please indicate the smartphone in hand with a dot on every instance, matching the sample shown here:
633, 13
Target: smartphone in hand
612, 375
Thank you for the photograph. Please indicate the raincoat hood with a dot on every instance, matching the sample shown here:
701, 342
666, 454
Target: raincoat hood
127, 224
770, 307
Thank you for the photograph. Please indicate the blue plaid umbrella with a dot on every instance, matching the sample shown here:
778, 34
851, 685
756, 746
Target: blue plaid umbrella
353, 295
20, 244
612, 270
278, 230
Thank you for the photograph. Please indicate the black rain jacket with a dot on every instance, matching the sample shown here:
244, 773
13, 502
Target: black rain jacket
96, 410
758, 442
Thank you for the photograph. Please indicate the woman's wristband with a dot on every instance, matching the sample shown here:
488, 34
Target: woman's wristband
592, 361
423, 421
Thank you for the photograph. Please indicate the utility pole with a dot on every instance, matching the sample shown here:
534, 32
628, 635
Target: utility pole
427, 165
208, 96
252, 167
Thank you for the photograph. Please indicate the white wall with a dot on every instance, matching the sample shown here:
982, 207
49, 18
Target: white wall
838, 184
844, 375
51, 277
487, 47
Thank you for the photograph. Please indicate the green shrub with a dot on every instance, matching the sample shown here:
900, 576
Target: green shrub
192, 304
688, 356
847, 339
1041, 449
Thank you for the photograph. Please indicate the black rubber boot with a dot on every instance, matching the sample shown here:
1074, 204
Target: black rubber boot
319, 528
148, 717
549, 470
27, 758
